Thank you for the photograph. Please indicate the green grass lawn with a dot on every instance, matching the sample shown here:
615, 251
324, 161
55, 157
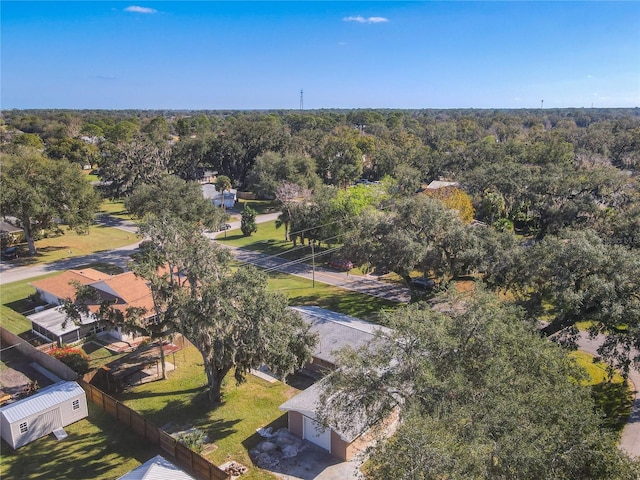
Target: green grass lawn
260, 206
71, 244
97, 447
270, 241
15, 300
98, 355
180, 402
299, 291
612, 396
115, 208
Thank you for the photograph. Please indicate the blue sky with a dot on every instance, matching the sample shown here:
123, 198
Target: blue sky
259, 55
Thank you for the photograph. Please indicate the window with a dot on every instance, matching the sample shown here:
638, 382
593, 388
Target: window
23, 427
76, 404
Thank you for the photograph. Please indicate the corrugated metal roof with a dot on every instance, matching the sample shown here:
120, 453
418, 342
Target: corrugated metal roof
52, 319
158, 468
46, 398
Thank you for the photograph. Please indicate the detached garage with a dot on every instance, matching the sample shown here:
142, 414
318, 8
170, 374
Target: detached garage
51, 408
302, 423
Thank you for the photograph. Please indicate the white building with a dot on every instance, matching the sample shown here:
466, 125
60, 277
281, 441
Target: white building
229, 197
52, 408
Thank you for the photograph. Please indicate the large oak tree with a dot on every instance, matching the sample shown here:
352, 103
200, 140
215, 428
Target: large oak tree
228, 314
480, 393
44, 194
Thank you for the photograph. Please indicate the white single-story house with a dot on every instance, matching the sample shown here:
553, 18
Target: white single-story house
124, 290
52, 408
229, 197
157, 468
335, 331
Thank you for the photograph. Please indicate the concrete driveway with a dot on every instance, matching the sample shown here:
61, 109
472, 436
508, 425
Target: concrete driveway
309, 462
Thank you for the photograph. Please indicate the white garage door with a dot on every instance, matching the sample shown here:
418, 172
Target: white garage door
312, 431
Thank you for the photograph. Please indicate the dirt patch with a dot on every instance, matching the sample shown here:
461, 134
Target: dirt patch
16, 372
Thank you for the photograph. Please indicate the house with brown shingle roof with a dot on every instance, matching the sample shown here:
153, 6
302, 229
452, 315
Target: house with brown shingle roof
55, 289
124, 290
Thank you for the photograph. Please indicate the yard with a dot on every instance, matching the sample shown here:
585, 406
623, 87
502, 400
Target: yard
15, 300
97, 447
270, 241
612, 396
180, 403
300, 292
99, 238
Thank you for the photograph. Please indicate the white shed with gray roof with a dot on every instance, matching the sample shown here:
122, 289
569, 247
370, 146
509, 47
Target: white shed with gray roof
53, 407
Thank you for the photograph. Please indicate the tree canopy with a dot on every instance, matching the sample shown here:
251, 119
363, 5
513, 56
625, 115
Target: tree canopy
480, 395
170, 195
45, 194
227, 314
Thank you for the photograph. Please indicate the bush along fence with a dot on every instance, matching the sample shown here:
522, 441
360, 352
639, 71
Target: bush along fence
194, 463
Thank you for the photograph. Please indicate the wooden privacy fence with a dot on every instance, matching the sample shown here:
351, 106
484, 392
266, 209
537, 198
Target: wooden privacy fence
186, 458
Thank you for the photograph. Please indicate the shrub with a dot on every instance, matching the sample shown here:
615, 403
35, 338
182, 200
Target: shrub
74, 358
248, 221
193, 440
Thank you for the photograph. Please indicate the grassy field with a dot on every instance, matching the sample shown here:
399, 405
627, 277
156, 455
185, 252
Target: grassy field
70, 244
180, 403
612, 396
299, 291
15, 300
97, 447
115, 208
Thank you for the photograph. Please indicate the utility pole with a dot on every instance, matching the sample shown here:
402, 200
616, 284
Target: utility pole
541, 103
313, 264
301, 100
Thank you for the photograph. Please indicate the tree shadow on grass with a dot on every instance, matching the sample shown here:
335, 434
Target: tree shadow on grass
97, 447
615, 401
349, 304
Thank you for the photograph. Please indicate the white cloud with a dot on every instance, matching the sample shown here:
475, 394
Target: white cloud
137, 9
360, 19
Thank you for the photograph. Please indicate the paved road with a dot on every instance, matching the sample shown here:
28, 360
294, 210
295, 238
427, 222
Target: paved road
119, 256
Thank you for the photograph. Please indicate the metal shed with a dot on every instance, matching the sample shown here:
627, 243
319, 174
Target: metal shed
54, 407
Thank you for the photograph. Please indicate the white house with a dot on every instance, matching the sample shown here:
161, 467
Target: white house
52, 408
229, 197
